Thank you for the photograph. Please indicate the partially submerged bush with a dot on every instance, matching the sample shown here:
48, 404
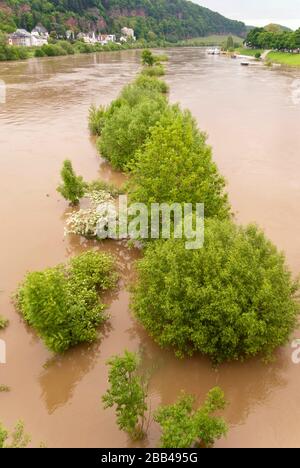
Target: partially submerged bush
3, 322
127, 128
149, 83
4, 388
184, 427
175, 165
157, 70
96, 119
73, 186
16, 439
127, 393
63, 304
232, 299
85, 221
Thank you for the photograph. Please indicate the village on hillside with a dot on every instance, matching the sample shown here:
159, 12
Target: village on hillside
39, 36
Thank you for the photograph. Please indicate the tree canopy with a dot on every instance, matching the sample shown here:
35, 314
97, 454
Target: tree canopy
232, 299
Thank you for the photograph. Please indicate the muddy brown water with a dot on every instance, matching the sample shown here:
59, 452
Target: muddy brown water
252, 116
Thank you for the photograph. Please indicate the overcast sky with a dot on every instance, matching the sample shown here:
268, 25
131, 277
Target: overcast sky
258, 12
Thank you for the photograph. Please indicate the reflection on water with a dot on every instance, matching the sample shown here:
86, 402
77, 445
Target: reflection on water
252, 117
68, 370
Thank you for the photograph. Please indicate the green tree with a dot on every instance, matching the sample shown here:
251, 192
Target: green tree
229, 43
184, 427
73, 187
128, 122
63, 303
148, 58
127, 393
232, 299
175, 165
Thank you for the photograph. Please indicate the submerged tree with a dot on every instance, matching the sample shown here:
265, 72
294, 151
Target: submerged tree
184, 427
148, 58
63, 304
232, 299
73, 186
127, 393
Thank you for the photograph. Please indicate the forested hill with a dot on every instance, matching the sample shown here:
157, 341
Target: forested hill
168, 19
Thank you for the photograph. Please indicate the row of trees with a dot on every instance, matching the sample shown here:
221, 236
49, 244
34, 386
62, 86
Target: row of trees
234, 298
262, 38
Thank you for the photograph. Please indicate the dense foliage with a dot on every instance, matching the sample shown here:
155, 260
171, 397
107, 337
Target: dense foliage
232, 299
129, 119
73, 187
184, 427
264, 38
175, 165
168, 19
127, 393
62, 304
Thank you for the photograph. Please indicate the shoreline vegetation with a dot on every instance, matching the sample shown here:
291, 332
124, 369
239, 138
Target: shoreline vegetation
57, 48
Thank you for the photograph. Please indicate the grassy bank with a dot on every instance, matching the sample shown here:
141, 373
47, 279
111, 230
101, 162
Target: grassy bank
248, 52
283, 58
208, 41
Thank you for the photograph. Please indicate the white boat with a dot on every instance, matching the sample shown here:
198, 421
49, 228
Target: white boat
213, 51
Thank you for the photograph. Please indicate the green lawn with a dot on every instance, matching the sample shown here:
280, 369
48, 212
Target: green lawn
290, 60
213, 40
249, 52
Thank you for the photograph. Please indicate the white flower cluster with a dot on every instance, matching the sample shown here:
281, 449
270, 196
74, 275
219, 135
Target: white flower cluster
85, 221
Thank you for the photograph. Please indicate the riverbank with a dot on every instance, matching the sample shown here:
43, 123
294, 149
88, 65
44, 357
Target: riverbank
62, 48
284, 58
271, 56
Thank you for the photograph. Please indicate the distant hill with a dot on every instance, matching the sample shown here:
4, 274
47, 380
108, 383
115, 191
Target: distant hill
171, 20
272, 27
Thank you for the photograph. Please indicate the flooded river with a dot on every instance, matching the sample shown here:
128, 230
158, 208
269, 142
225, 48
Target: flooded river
252, 116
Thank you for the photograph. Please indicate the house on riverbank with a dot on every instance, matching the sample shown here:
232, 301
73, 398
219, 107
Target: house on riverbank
37, 38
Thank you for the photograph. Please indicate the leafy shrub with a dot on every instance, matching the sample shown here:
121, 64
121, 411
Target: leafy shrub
148, 58
53, 50
3, 322
157, 70
127, 393
232, 299
18, 438
175, 165
85, 221
101, 185
39, 52
73, 186
127, 128
62, 304
96, 119
153, 84
182, 427
65, 45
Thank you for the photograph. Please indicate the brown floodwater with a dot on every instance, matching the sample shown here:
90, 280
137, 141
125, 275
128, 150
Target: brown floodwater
252, 116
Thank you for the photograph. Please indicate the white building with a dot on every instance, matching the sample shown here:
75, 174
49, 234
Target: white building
37, 38
106, 38
128, 33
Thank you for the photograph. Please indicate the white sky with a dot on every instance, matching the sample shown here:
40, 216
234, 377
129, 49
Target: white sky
258, 12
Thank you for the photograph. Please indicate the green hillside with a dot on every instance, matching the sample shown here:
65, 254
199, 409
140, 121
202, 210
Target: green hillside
167, 19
